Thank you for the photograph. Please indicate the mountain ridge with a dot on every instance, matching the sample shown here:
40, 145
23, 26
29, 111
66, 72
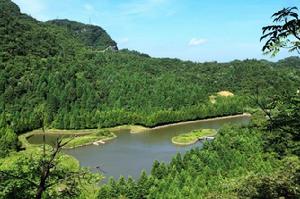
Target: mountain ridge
91, 35
22, 35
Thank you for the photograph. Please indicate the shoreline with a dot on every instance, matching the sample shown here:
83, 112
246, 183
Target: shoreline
184, 144
202, 120
134, 129
91, 143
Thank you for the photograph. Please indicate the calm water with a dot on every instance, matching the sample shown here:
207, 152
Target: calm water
129, 153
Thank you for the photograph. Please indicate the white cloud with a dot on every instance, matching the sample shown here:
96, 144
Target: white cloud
197, 41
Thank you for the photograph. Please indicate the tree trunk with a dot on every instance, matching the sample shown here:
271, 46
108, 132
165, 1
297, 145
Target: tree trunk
40, 191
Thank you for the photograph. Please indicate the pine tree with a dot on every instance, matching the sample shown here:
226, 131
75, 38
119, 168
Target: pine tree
142, 185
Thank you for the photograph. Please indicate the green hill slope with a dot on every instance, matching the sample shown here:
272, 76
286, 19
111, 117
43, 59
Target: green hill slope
57, 74
22, 35
47, 69
90, 35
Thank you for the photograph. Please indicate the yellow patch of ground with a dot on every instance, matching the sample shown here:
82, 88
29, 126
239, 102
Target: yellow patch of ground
225, 94
213, 98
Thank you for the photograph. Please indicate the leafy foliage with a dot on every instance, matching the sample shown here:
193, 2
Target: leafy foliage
282, 183
287, 26
284, 125
8, 141
20, 175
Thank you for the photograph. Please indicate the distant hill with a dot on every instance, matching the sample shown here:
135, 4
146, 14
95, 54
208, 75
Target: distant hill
22, 35
90, 35
293, 61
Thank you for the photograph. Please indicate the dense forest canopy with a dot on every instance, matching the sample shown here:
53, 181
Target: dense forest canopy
51, 66
283, 33
57, 74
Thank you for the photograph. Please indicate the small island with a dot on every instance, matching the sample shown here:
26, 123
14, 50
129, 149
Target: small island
193, 137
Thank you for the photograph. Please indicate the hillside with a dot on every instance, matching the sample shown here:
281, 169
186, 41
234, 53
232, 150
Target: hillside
90, 35
22, 35
45, 68
56, 75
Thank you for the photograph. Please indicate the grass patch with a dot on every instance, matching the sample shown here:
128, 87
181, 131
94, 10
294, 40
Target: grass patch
84, 140
132, 128
192, 137
64, 132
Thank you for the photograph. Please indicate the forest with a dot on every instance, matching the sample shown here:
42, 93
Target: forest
54, 75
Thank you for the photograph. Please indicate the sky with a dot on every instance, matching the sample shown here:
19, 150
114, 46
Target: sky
196, 30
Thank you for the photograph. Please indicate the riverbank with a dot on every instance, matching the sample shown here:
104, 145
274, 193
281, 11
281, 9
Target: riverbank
131, 128
203, 120
193, 137
87, 136
83, 137
76, 138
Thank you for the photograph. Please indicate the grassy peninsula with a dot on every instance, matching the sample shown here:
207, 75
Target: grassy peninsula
83, 137
75, 138
193, 137
94, 138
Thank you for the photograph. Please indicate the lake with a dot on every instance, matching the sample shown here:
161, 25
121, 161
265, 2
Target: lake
131, 153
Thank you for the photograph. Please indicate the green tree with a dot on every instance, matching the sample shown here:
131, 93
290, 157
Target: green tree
42, 175
8, 141
143, 185
285, 33
283, 125
281, 184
